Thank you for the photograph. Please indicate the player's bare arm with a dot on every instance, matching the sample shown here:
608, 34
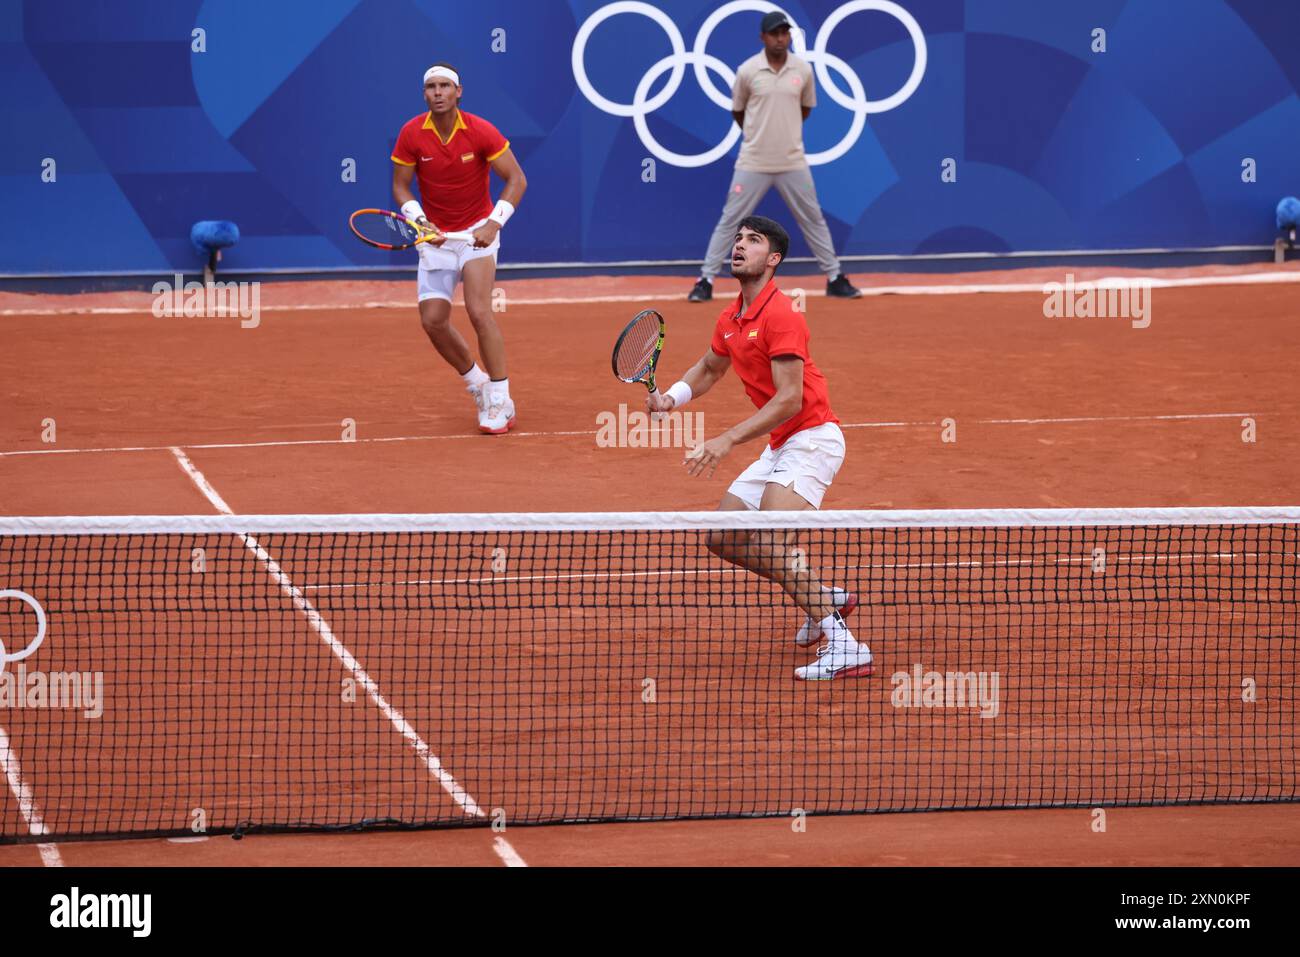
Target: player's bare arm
787, 376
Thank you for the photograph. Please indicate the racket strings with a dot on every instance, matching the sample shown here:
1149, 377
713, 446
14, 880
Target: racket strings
403, 231
638, 348
381, 228
408, 233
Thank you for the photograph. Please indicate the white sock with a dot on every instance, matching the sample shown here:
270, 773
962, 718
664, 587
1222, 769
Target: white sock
475, 377
499, 390
836, 594
834, 629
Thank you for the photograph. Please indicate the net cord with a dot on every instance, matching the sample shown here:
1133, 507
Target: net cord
632, 521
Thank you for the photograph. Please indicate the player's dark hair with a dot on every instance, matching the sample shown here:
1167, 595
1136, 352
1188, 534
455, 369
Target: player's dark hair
778, 240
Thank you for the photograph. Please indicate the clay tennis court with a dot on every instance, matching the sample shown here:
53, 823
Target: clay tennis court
169, 416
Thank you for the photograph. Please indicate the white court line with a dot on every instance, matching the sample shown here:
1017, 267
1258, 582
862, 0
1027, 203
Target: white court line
1244, 279
50, 856
322, 628
346, 306
327, 271
507, 853
1112, 418
1067, 420
280, 443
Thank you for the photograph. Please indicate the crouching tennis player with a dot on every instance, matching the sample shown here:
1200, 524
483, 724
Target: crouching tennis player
766, 340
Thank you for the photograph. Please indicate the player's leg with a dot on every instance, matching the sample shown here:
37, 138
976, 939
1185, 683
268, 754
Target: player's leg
732, 545
771, 554
803, 470
799, 580
799, 192
478, 276
775, 554
477, 279
792, 478
435, 289
743, 495
795, 479
753, 551
841, 655
742, 199
435, 317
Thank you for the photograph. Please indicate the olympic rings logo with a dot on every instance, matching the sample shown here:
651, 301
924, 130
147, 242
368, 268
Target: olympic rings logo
40, 628
823, 63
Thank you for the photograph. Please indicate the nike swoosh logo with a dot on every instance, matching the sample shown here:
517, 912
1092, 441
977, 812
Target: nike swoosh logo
727, 335
425, 159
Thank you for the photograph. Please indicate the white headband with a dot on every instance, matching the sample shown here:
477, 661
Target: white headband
441, 71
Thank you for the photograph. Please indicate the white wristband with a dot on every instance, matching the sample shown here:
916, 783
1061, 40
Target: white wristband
680, 393
412, 209
502, 212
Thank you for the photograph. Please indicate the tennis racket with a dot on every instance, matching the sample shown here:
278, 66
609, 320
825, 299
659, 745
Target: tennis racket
637, 351
385, 229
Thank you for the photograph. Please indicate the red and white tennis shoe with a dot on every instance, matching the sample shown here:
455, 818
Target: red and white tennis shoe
496, 416
838, 658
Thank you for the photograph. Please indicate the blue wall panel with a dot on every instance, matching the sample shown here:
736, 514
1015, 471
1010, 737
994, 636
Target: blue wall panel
1056, 146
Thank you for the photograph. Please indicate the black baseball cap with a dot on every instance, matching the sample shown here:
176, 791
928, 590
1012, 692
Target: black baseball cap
774, 21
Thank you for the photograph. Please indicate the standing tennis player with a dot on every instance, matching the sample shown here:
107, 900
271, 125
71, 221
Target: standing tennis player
766, 340
450, 153
773, 95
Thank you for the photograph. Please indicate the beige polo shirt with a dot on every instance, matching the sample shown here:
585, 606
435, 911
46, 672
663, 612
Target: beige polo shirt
773, 104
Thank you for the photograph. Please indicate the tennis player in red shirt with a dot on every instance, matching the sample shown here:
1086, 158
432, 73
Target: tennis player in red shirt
450, 152
765, 339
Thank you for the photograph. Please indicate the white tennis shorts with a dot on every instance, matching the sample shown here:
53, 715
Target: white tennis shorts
440, 266
807, 462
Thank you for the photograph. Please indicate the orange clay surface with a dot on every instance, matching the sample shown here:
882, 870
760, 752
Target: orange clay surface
1048, 412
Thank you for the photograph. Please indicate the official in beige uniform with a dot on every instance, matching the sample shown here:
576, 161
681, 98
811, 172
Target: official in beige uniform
773, 95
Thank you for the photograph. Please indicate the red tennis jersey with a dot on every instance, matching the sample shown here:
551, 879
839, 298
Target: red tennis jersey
773, 328
453, 176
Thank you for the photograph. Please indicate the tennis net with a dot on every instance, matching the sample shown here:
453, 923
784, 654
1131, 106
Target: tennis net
173, 675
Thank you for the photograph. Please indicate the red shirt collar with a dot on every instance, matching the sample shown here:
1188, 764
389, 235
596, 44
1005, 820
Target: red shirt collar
757, 305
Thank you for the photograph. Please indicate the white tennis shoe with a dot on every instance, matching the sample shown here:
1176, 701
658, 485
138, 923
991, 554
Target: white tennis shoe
838, 658
479, 394
809, 634
496, 416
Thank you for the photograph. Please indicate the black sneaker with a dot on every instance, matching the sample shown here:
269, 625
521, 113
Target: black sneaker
702, 292
841, 288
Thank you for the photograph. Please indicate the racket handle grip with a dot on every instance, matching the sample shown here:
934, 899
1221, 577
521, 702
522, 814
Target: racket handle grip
656, 416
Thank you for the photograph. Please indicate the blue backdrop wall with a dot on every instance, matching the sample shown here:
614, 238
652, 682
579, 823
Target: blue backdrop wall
1054, 145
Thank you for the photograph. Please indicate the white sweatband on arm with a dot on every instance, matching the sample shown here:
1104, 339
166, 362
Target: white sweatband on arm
412, 209
680, 393
502, 212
